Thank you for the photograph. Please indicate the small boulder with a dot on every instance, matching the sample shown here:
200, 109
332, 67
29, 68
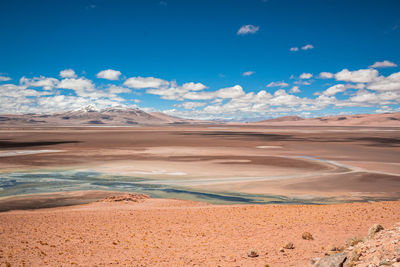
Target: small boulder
335, 260
307, 236
252, 253
374, 229
289, 245
352, 241
353, 258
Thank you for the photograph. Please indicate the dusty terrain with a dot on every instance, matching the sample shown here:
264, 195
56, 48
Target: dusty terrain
383, 119
161, 232
336, 163
349, 162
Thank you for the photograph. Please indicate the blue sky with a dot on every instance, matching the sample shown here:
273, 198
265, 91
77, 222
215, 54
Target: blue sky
190, 58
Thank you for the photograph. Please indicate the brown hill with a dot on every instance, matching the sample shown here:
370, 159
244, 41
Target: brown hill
89, 116
382, 119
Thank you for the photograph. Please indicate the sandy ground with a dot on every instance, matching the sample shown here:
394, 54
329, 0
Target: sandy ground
295, 161
161, 232
342, 162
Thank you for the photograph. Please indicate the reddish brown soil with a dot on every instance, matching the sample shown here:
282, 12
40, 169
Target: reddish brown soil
159, 232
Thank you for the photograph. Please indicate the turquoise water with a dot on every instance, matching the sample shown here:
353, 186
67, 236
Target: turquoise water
21, 183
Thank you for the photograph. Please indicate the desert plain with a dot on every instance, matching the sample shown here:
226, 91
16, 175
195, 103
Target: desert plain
205, 183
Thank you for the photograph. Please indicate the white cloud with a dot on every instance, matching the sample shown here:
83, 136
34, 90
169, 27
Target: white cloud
307, 47
68, 73
339, 88
76, 84
248, 73
383, 64
186, 91
306, 76
230, 92
4, 78
277, 84
114, 89
248, 29
373, 90
191, 86
85, 88
109, 74
294, 49
390, 83
302, 82
358, 76
333, 90
45, 83
145, 82
295, 89
190, 105
326, 75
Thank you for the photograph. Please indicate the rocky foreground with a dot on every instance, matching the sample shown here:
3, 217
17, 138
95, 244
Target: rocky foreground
140, 231
379, 248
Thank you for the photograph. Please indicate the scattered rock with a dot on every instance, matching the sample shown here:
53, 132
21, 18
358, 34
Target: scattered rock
313, 261
281, 250
126, 198
354, 257
374, 229
252, 253
289, 246
374, 251
385, 263
307, 236
335, 260
339, 249
352, 241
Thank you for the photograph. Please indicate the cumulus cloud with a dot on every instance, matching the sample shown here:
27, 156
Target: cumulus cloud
190, 105
46, 83
248, 73
277, 84
248, 29
109, 74
358, 76
383, 64
68, 73
114, 89
191, 86
185, 91
294, 49
145, 82
333, 90
307, 47
339, 88
4, 78
76, 84
44, 94
306, 76
295, 89
326, 75
301, 82
389, 83
230, 92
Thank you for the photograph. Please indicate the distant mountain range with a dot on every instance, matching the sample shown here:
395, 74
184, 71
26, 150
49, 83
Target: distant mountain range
90, 116
122, 116
382, 119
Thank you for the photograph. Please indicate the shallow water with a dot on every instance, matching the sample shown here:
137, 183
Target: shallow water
21, 183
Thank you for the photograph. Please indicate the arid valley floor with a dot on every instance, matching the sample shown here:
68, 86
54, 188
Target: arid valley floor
191, 172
